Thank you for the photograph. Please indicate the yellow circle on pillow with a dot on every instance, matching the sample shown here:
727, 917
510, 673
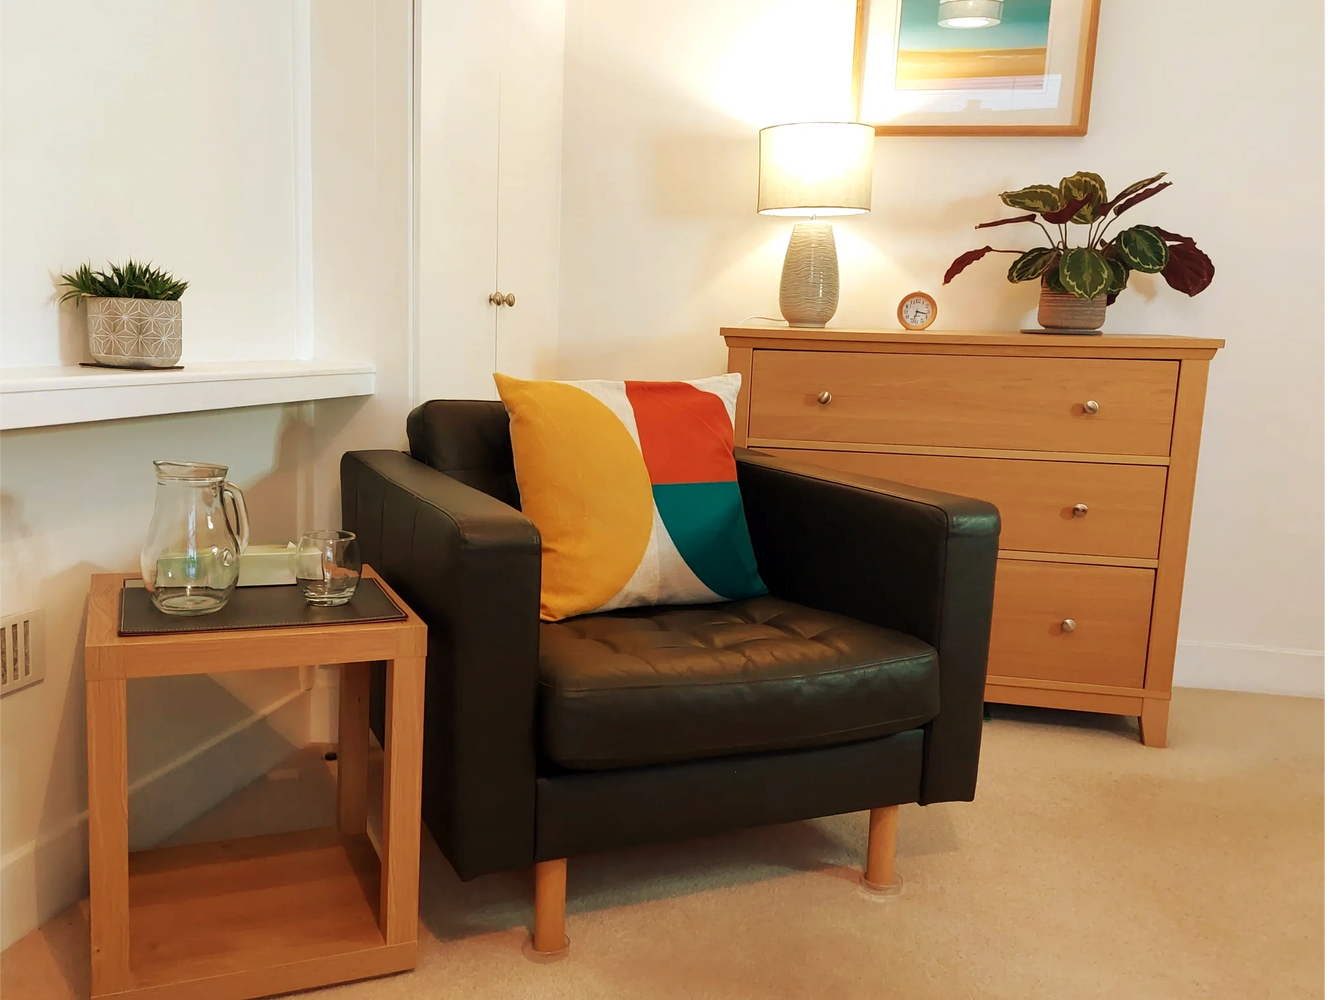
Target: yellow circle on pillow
584, 485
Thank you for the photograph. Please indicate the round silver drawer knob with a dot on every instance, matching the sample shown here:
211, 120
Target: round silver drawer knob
1091, 406
825, 398
1080, 510
1068, 625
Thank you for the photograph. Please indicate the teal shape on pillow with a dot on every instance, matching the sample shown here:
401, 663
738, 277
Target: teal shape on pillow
706, 521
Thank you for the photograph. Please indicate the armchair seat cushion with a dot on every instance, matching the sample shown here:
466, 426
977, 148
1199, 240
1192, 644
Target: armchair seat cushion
650, 685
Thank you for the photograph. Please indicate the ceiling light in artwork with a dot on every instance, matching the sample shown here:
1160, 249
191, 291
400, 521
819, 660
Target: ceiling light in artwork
970, 13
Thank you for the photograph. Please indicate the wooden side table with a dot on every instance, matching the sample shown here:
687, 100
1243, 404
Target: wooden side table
258, 915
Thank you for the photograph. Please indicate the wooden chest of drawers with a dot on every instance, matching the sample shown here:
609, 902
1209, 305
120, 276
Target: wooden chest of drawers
1087, 445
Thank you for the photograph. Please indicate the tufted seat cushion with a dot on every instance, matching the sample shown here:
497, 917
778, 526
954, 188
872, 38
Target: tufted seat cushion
649, 685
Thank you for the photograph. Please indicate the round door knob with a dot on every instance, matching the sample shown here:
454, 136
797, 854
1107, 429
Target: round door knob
1080, 510
495, 299
1068, 625
1091, 406
509, 299
825, 398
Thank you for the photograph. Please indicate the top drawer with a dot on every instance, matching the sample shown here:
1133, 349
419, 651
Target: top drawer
965, 401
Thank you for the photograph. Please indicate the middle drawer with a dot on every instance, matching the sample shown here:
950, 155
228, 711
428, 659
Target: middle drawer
1038, 501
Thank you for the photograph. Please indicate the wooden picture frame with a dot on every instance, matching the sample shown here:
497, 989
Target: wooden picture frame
882, 91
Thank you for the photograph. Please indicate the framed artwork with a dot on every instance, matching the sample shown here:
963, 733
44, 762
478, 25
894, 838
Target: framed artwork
974, 67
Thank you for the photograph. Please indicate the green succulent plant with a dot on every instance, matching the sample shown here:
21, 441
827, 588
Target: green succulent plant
1096, 265
130, 280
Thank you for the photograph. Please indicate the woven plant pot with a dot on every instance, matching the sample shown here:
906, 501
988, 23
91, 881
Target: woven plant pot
134, 333
1065, 311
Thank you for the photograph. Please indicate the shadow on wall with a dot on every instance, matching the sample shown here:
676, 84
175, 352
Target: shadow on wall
275, 500
72, 323
58, 858
282, 503
14, 529
833, 845
190, 744
77, 501
705, 176
173, 776
628, 357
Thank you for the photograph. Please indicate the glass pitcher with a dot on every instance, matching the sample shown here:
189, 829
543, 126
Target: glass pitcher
192, 556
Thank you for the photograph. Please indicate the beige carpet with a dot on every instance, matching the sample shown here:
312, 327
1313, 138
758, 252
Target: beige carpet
1088, 867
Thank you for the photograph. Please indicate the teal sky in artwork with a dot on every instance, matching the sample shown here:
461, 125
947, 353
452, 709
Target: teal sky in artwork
1025, 25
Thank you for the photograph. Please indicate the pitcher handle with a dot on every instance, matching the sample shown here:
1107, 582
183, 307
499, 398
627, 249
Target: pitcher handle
237, 518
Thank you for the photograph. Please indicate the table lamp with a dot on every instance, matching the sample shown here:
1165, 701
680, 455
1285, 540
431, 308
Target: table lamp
813, 169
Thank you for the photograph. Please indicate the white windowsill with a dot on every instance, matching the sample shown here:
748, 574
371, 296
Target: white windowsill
69, 394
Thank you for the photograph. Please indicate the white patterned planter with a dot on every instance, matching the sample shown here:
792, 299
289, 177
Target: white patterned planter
134, 333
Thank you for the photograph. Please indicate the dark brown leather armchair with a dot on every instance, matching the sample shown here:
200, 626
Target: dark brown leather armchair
857, 683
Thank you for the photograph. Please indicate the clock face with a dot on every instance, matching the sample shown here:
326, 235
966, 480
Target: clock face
917, 311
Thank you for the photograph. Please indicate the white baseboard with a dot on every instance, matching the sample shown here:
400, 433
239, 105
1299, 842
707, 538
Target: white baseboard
42, 877
1225, 666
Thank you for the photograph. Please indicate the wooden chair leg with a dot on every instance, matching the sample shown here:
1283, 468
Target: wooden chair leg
883, 845
548, 933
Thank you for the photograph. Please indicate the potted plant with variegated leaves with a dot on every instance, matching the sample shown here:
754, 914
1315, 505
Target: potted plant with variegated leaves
134, 313
1081, 273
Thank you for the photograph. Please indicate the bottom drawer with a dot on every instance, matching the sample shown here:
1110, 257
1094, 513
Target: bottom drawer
1109, 606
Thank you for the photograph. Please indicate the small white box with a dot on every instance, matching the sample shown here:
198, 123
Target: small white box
267, 565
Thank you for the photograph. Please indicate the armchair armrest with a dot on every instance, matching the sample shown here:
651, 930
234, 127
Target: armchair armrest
470, 566
908, 559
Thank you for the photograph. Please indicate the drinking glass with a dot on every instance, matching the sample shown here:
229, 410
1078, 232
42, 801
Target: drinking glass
328, 567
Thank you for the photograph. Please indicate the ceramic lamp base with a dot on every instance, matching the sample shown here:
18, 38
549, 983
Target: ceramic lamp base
808, 295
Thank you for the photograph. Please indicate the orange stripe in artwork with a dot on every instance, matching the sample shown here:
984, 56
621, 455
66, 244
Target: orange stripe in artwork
684, 433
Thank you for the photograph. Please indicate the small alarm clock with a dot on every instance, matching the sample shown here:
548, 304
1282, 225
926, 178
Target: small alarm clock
917, 311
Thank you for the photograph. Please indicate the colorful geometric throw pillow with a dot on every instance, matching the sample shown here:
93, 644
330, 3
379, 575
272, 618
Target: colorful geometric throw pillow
633, 488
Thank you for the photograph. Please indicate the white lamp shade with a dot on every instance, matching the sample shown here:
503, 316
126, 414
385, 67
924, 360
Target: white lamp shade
816, 168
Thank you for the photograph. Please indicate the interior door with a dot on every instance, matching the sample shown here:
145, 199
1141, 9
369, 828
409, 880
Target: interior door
458, 188
531, 100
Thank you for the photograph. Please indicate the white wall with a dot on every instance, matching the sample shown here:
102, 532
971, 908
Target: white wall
261, 150
152, 130
661, 245
362, 156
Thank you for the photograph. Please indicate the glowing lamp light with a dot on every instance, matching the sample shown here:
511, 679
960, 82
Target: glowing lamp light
970, 13
815, 168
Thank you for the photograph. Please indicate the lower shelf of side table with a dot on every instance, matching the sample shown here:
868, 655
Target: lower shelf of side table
256, 916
